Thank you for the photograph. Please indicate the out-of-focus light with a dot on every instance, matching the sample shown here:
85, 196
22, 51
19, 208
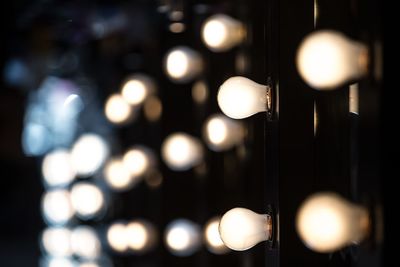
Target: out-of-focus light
182, 237
221, 32
117, 238
327, 222
137, 88
177, 27
222, 133
200, 92
57, 168
139, 160
117, 109
353, 98
89, 153
327, 59
117, 176
85, 242
154, 180
87, 200
58, 262
212, 237
36, 139
182, 64
152, 108
56, 207
55, 241
141, 236
181, 151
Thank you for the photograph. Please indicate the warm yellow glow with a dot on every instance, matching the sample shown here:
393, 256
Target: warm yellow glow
182, 237
353, 98
88, 154
117, 175
85, 242
137, 88
138, 160
177, 64
239, 97
87, 199
57, 168
181, 151
200, 92
327, 59
117, 110
152, 108
326, 222
212, 237
177, 27
221, 32
217, 131
56, 207
56, 241
141, 236
117, 238
178, 239
183, 64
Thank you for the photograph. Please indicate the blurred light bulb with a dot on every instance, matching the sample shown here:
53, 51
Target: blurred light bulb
58, 262
181, 151
56, 207
85, 242
212, 237
327, 59
221, 32
222, 133
241, 229
141, 236
139, 160
152, 108
327, 222
57, 168
182, 64
182, 237
137, 88
117, 238
117, 176
56, 241
117, 109
87, 200
89, 153
200, 92
239, 97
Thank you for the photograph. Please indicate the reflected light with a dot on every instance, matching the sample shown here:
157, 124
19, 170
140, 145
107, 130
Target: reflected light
141, 236
85, 242
182, 64
139, 160
353, 98
181, 151
56, 207
212, 237
116, 175
57, 168
87, 199
137, 89
56, 241
89, 153
200, 92
182, 237
117, 238
117, 110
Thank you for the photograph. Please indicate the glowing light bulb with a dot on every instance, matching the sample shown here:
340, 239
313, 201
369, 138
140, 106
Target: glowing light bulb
239, 97
241, 229
181, 151
117, 238
327, 222
117, 176
57, 168
141, 236
137, 88
88, 154
87, 200
222, 133
85, 242
221, 32
58, 262
182, 237
327, 59
212, 237
55, 241
56, 207
139, 160
117, 109
183, 64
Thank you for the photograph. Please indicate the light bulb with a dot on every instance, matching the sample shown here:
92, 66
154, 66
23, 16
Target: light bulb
182, 237
58, 262
139, 160
212, 237
117, 176
182, 64
327, 59
181, 151
241, 229
117, 238
56, 207
55, 241
327, 222
137, 88
117, 109
222, 133
87, 200
239, 97
85, 242
221, 32
141, 236
57, 168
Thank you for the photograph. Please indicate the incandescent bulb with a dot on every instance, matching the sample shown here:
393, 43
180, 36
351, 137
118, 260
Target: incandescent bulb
55, 241
56, 207
85, 242
182, 237
241, 229
139, 160
141, 236
222, 133
327, 59
221, 32
117, 238
327, 222
137, 88
181, 151
87, 200
212, 237
239, 97
117, 109
182, 64
117, 176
